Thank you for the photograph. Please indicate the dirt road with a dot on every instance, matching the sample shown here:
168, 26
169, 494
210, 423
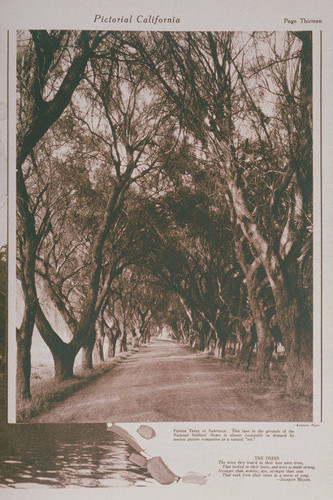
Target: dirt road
166, 381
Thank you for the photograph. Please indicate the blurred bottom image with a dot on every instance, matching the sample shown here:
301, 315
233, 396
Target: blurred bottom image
66, 455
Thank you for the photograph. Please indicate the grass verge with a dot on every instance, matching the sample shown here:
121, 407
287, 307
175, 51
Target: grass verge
45, 393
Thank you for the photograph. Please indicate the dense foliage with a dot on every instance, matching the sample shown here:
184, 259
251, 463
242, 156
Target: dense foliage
165, 179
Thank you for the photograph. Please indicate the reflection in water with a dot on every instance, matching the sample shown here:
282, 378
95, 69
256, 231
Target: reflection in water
66, 455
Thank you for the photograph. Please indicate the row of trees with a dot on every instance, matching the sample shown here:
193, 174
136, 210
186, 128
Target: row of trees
166, 178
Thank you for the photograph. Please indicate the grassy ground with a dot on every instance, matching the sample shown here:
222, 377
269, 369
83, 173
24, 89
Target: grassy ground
45, 391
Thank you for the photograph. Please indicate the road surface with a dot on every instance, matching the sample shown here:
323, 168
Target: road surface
166, 381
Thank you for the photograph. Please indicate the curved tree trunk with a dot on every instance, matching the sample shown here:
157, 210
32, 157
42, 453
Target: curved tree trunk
63, 353
45, 113
293, 318
295, 329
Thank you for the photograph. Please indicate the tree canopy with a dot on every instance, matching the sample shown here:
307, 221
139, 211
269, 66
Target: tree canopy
166, 179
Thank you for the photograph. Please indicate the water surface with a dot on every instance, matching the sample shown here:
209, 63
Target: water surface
69, 455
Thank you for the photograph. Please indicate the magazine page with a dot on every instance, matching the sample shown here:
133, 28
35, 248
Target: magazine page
166, 249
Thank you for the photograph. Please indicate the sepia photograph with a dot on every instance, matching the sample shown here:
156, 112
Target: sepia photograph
164, 226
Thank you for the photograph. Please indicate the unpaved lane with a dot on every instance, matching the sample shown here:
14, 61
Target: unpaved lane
168, 382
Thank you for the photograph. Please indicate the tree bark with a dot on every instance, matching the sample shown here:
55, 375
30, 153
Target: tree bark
292, 317
123, 343
202, 336
112, 342
113, 347
87, 357
99, 349
64, 363
99, 344
23, 368
87, 353
264, 356
264, 338
63, 353
24, 333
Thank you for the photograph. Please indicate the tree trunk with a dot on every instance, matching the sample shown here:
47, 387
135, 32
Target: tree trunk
23, 367
87, 352
263, 334
123, 343
100, 336
24, 333
112, 344
113, 347
292, 317
110, 347
202, 340
63, 354
264, 338
142, 339
64, 363
223, 349
264, 356
99, 348
298, 346
87, 357
43, 117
